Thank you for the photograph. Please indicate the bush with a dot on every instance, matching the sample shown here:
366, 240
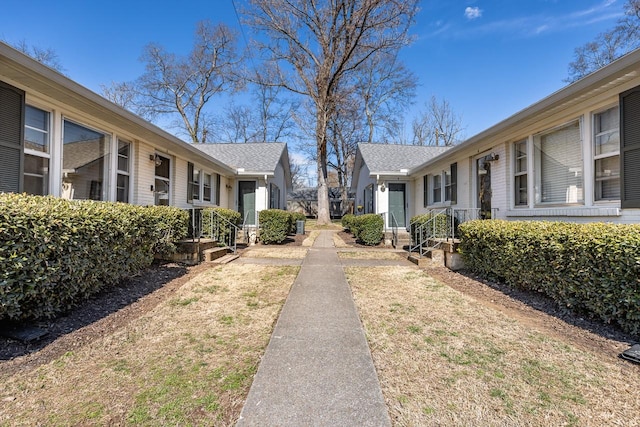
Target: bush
216, 224
274, 225
347, 221
55, 252
590, 267
368, 228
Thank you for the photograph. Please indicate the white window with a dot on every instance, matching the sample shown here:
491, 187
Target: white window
206, 184
162, 180
437, 189
606, 154
193, 189
520, 173
85, 155
559, 165
37, 149
122, 180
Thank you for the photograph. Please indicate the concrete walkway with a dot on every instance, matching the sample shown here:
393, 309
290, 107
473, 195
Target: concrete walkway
317, 369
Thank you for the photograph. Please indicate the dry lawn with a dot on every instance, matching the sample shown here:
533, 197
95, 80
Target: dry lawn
444, 360
279, 252
369, 255
189, 361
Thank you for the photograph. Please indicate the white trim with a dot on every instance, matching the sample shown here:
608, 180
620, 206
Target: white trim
566, 212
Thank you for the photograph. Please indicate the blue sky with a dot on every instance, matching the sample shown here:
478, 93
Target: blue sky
489, 59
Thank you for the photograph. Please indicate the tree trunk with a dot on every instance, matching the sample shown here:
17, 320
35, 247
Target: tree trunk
324, 215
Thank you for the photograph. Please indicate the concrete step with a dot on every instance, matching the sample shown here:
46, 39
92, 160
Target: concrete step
214, 253
226, 259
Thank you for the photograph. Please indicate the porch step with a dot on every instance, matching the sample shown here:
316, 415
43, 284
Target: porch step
226, 259
214, 253
430, 257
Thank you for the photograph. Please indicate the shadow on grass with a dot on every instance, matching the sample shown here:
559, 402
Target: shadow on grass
97, 307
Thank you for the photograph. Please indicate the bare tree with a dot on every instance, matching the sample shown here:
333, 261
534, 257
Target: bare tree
609, 45
173, 85
122, 94
386, 89
438, 125
316, 45
46, 56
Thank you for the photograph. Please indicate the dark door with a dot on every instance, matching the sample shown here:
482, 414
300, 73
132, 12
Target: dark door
247, 201
397, 204
484, 188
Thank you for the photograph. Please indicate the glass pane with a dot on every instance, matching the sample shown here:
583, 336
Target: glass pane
521, 190
36, 133
560, 157
36, 175
123, 156
608, 178
607, 135
123, 189
162, 166
162, 192
84, 163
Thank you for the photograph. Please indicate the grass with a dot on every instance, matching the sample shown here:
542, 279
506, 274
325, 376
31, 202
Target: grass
442, 359
369, 255
189, 361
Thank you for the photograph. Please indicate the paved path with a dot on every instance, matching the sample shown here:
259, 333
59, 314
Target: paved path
317, 369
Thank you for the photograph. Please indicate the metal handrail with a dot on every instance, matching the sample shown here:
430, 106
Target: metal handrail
428, 231
394, 230
216, 224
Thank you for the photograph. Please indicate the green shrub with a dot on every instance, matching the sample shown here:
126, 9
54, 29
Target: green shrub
368, 228
55, 252
217, 224
590, 267
274, 225
347, 221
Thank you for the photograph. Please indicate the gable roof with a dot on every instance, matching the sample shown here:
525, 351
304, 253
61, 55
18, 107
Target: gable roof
391, 159
253, 158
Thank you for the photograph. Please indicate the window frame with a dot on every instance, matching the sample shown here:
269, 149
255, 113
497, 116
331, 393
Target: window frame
614, 155
124, 173
519, 174
46, 154
436, 188
538, 166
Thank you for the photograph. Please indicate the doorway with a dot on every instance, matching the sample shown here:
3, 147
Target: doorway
247, 201
483, 182
397, 203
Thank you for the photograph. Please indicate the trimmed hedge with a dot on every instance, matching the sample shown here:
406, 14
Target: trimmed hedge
347, 221
224, 229
593, 267
368, 228
55, 252
275, 225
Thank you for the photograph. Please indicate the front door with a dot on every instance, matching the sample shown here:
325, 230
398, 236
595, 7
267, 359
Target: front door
483, 167
397, 205
247, 201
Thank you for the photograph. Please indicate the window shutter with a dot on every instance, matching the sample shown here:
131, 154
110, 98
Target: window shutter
425, 185
189, 181
11, 138
454, 183
217, 202
630, 148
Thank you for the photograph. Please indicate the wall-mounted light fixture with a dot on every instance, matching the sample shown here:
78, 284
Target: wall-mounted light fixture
491, 157
383, 188
155, 158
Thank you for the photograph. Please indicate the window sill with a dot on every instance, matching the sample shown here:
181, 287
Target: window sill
566, 212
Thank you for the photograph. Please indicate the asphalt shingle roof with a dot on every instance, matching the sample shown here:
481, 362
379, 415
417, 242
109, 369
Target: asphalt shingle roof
252, 157
391, 158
